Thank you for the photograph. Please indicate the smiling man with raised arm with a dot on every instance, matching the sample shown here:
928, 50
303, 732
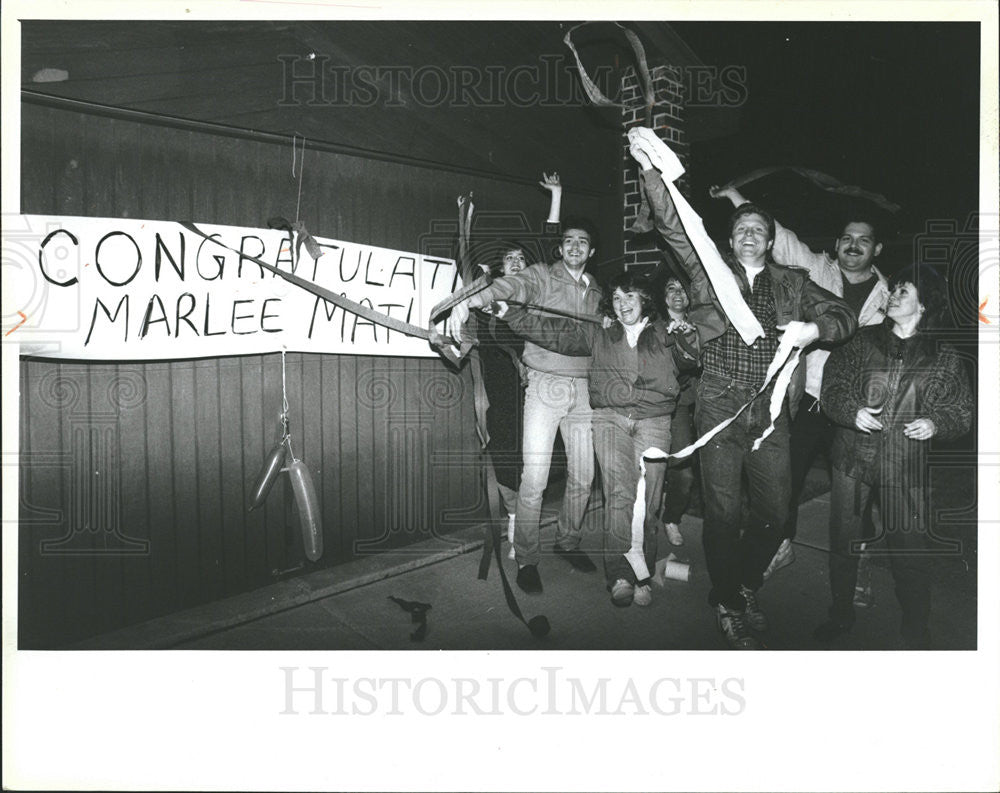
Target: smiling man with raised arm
733, 372
851, 274
556, 400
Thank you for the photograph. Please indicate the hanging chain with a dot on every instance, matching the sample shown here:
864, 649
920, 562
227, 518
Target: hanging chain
284, 406
302, 170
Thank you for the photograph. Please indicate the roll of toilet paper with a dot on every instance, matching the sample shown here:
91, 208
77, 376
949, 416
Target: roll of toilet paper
673, 569
676, 571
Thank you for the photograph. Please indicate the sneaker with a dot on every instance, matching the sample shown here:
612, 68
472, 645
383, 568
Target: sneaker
674, 536
577, 558
733, 625
622, 593
783, 557
511, 554
528, 580
755, 618
643, 595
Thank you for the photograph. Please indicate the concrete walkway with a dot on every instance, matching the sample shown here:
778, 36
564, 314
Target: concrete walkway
349, 608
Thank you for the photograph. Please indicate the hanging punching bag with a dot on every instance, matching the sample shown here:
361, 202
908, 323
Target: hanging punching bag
269, 471
305, 500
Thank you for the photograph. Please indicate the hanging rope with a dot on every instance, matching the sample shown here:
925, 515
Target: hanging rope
302, 171
284, 407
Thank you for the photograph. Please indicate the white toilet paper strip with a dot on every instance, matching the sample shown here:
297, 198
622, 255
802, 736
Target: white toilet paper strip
786, 358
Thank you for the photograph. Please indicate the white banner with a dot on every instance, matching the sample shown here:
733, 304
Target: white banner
121, 289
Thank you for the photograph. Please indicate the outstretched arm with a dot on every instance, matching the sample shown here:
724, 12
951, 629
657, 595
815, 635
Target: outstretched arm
553, 333
554, 186
834, 319
524, 287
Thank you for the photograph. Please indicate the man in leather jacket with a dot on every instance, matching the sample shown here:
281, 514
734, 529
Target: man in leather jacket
732, 374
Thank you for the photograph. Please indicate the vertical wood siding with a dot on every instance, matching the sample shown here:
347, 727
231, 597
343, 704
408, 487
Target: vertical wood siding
135, 477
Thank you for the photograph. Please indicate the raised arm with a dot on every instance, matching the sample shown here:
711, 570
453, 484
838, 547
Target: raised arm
736, 198
554, 186
704, 311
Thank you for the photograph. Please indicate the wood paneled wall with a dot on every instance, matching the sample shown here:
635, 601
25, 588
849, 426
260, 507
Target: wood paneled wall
134, 477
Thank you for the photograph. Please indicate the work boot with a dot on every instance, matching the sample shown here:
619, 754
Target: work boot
734, 626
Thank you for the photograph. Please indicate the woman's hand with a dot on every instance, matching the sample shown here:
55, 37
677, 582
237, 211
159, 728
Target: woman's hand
919, 430
866, 421
679, 326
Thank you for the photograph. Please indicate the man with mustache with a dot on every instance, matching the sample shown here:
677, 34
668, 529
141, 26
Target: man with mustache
852, 275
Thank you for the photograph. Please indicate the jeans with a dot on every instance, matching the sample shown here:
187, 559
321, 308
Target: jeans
553, 403
508, 499
619, 442
680, 473
903, 538
812, 434
738, 555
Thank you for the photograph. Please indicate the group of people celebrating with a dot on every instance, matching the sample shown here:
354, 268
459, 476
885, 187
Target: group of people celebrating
622, 370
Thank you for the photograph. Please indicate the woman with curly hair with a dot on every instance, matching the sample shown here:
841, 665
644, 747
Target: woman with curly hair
890, 390
633, 386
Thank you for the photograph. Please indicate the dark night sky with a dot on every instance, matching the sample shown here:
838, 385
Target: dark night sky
890, 107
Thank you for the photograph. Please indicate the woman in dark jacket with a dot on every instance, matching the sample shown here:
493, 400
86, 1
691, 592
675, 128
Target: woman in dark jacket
890, 390
633, 385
